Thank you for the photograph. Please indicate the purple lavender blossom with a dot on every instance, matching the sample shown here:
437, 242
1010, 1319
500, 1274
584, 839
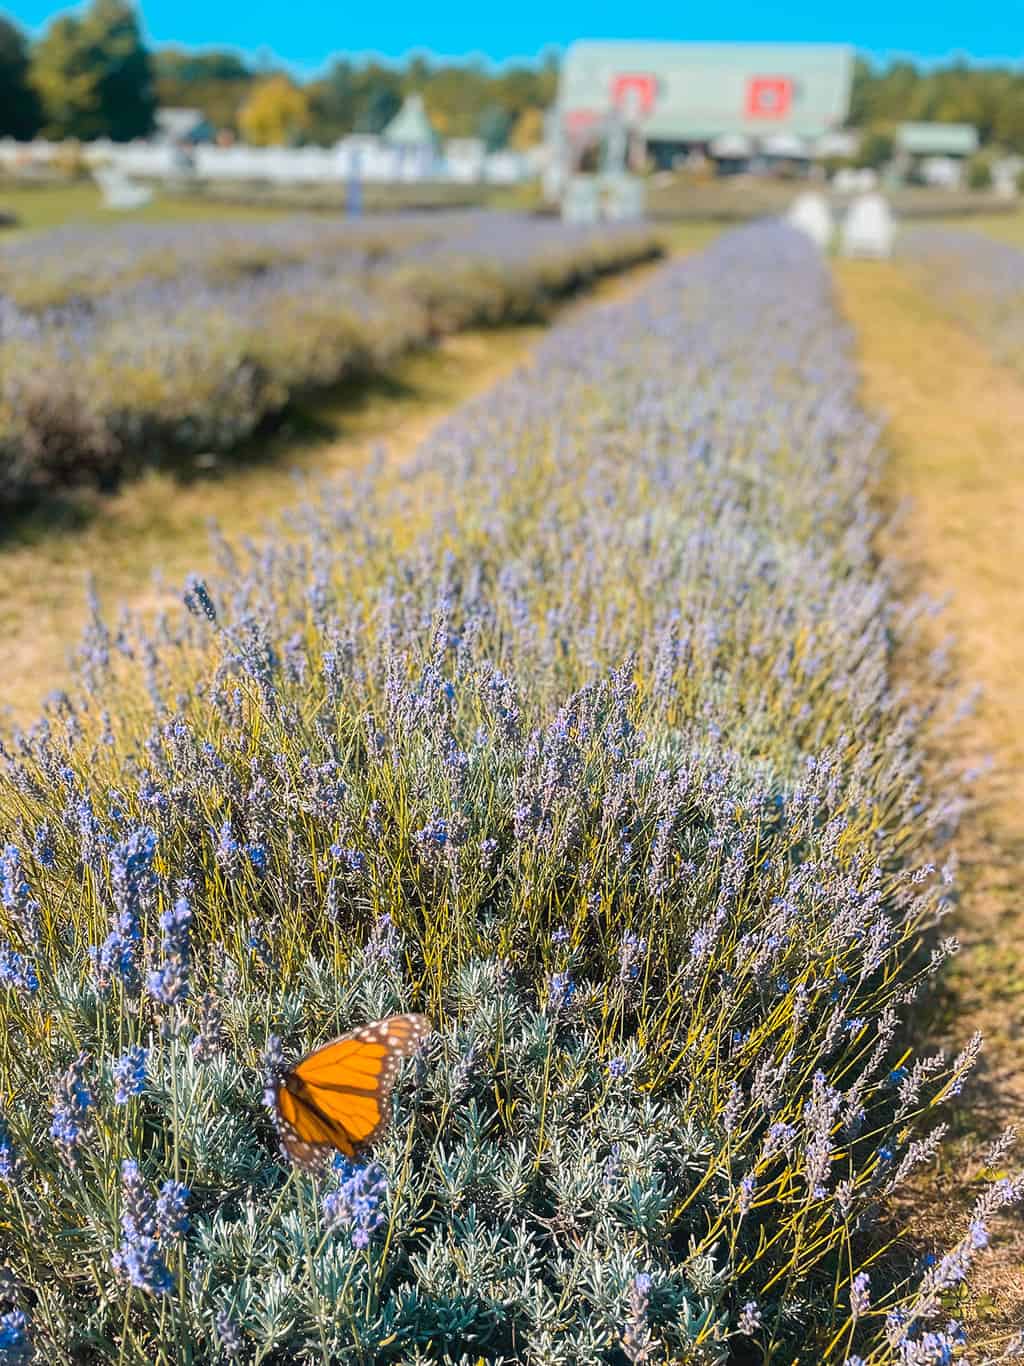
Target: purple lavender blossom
750, 1319
638, 1341
16, 895
130, 1074
209, 1042
140, 1259
15, 1345
229, 1335
561, 990
169, 983
72, 1104
8, 1156
860, 1294
17, 971
357, 1203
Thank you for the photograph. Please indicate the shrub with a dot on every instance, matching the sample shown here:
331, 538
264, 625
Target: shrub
157, 344
979, 172
579, 737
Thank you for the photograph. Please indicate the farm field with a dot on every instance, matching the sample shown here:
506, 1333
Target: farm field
575, 719
38, 208
96, 383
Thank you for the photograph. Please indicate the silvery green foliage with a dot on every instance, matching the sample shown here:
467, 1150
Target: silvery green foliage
600, 766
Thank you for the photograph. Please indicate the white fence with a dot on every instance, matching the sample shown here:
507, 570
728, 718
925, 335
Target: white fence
359, 157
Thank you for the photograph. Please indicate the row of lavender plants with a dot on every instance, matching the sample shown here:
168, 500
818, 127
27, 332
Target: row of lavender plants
976, 278
578, 736
149, 345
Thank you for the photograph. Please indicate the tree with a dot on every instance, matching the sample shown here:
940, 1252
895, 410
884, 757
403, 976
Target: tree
334, 102
277, 113
876, 149
20, 114
127, 91
528, 130
67, 80
380, 99
93, 75
216, 83
494, 127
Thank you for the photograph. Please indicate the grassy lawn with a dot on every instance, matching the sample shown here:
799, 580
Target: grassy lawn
955, 418
38, 207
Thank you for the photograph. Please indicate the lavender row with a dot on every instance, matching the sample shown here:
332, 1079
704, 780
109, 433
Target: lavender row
579, 737
978, 279
185, 359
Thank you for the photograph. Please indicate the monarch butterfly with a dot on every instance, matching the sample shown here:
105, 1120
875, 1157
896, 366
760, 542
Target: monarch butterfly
339, 1096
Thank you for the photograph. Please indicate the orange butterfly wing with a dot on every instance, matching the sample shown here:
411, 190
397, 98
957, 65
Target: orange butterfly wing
339, 1096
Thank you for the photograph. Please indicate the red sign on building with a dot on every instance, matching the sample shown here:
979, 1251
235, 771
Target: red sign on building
769, 97
634, 95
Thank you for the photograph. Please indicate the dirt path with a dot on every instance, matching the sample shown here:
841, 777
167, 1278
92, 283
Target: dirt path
140, 543
956, 436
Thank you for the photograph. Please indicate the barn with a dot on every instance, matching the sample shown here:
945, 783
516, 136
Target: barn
681, 97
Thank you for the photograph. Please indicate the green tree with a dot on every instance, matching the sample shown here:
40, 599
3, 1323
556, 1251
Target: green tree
494, 126
126, 85
334, 103
379, 105
93, 75
876, 148
20, 114
276, 114
990, 98
217, 83
67, 81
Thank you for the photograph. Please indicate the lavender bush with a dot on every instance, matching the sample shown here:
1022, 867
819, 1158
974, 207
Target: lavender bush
579, 736
149, 344
979, 280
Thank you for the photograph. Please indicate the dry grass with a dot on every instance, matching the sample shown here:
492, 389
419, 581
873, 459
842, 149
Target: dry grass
956, 435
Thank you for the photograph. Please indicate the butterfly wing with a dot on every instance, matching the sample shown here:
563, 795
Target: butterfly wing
339, 1096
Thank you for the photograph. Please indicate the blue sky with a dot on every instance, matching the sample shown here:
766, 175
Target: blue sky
304, 33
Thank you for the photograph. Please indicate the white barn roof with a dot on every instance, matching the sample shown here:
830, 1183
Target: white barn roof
693, 92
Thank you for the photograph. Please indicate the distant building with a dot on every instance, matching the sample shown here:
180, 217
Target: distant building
411, 135
745, 99
934, 153
937, 139
464, 158
183, 127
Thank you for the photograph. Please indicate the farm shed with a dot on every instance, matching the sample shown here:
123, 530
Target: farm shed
934, 153
681, 97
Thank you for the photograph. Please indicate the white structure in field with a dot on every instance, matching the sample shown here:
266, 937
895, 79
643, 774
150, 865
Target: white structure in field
811, 215
581, 202
850, 180
118, 191
868, 227
464, 159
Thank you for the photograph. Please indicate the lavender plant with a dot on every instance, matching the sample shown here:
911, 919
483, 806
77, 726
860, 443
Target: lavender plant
150, 344
976, 278
578, 736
